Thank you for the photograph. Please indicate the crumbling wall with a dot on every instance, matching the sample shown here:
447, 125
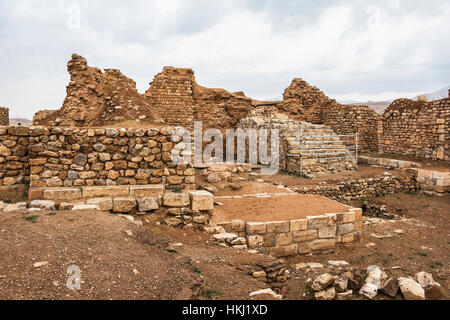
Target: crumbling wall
4, 116
97, 98
179, 100
304, 102
171, 94
419, 129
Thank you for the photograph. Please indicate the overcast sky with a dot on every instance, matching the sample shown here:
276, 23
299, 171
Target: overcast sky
352, 50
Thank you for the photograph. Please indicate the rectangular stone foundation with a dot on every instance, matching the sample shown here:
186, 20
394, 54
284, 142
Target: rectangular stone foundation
302, 236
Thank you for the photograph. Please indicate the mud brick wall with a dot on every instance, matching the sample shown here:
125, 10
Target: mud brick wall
14, 168
111, 156
171, 94
419, 129
4, 116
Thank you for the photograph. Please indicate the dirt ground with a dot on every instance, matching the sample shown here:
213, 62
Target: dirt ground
284, 208
147, 263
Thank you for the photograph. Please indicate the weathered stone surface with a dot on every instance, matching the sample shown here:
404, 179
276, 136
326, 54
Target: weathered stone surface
103, 204
147, 204
225, 237
124, 205
410, 289
322, 244
298, 225
108, 191
253, 228
82, 207
11, 208
435, 292
322, 282
172, 199
341, 283
344, 295
328, 294
201, 200
424, 279
43, 204
255, 241
369, 290
62, 194
277, 227
266, 292
390, 287
376, 277
338, 263
284, 251
147, 191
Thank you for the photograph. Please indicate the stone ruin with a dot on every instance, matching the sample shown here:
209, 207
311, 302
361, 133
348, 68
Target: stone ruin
305, 148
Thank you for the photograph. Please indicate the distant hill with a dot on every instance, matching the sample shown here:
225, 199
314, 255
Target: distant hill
381, 106
21, 121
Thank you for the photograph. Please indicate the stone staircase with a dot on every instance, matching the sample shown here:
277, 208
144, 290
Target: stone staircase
316, 148
305, 148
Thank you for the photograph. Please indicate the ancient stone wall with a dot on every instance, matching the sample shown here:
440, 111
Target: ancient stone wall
347, 120
302, 236
307, 103
419, 129
55, 157
4, 116
14, 166
346, 191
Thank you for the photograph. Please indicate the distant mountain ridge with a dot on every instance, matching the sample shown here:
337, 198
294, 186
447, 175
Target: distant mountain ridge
381, 106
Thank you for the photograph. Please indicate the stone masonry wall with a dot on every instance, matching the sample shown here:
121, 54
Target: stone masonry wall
418, 129
14, 166
56, 157
4, 116
346, 191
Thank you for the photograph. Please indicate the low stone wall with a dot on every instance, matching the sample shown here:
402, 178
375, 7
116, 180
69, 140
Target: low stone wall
347, 191
437, 182
388, 163
192, 208
73, 157
302, 236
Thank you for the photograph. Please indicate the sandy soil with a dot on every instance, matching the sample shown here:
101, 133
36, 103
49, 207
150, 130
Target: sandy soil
284, 208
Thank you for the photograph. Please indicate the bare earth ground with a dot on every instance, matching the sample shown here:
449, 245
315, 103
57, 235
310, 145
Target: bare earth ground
144, 265
284, 208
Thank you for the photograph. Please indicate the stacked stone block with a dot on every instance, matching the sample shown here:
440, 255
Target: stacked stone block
4, 116
14, 166
419, 129
303, 236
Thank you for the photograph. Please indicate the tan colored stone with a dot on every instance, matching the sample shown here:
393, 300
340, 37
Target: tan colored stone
147, 191
173, 199
124, 205
62, 194
201, 200
105, 191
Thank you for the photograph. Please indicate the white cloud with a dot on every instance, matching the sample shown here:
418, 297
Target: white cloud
354, 50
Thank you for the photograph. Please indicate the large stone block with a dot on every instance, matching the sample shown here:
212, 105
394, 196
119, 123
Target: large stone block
107, 191
304, 235
298, 225
147, 191
252, 228
255, 241
147, 204
322, 244
201, 200
284, 251
62, 194
104, 204
124, 205
277, 227
177, 200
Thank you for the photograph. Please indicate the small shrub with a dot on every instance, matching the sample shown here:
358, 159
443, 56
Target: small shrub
32, 219
197, 270
212, 294
422, 98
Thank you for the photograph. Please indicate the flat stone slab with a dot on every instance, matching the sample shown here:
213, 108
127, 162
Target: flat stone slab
43, 204
104, 204
124, 205
146, 191
201, 200
81, 207
62, 194
107, 191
